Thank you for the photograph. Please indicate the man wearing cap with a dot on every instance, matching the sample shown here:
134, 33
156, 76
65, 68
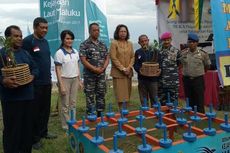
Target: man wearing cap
194, 61
169, 79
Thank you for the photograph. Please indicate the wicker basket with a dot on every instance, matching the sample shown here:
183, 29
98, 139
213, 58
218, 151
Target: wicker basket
150, 69
21, 71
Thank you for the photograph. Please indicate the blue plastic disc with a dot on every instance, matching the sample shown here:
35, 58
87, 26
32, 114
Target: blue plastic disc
98, 140
165, 143
189, 137
142, 149
210, 132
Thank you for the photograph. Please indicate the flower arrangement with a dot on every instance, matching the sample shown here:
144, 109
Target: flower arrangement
10, 67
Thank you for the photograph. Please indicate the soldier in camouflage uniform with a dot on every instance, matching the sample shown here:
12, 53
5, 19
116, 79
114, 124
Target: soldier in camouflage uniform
195, 61
168, 60
95, 59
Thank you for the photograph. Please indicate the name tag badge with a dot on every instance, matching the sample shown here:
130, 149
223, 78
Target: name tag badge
36, 49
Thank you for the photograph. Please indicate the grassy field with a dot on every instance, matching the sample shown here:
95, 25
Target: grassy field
60, 145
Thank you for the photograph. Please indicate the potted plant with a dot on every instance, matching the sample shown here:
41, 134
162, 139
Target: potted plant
151, 68
10, 67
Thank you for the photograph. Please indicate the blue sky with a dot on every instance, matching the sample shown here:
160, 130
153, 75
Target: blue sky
139, 16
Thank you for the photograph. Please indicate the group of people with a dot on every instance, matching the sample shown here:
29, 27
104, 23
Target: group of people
26, 108
95, 57
165, 85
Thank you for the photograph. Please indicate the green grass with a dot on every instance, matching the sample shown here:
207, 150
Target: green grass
60, 145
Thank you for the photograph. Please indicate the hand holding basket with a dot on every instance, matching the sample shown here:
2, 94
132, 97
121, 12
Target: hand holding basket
150, 69
21, 73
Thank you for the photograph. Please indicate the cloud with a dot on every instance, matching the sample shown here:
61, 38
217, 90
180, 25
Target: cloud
21, 14
18, 1
130, 7
139, 16
145, 25
19, 11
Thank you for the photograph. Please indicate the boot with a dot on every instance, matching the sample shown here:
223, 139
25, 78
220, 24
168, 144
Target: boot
98, 113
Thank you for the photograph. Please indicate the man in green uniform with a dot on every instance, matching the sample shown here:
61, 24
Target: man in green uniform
95, 59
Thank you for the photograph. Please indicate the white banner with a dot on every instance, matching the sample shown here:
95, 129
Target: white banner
184, 22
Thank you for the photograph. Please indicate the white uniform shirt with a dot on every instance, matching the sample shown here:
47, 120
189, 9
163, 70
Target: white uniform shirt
68, 62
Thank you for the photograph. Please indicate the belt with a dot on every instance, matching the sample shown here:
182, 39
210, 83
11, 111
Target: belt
69, 77
192, 78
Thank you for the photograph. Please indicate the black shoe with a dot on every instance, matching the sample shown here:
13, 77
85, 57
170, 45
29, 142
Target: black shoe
50, 136
98, 113
163, 104
37, 145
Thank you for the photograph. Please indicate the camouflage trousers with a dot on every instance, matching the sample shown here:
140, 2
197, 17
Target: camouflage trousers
163, 94
95, 89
